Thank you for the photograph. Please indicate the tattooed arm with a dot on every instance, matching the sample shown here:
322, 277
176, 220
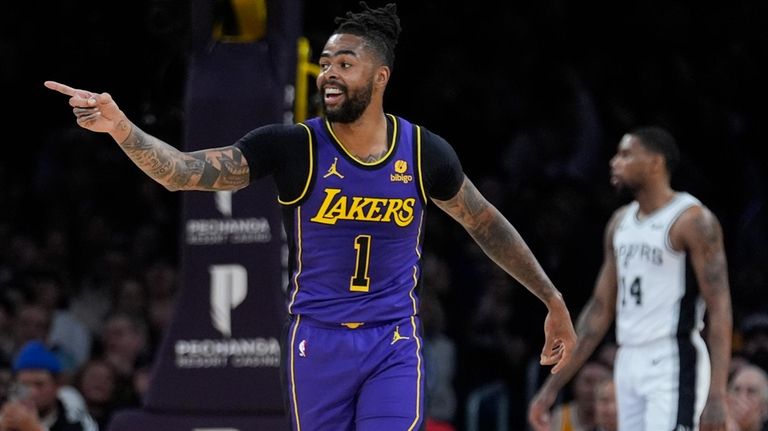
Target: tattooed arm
594, 321
213, 169
503, 244
699, 233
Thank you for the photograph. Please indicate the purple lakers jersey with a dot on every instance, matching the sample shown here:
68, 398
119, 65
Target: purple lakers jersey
357, 231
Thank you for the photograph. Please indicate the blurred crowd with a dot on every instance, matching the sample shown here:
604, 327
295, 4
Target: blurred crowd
89, 246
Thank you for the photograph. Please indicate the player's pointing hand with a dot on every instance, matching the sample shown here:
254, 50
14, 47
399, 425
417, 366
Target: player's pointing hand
97, 112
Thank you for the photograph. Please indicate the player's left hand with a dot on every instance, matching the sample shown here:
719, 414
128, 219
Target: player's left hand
714, 416
560, 338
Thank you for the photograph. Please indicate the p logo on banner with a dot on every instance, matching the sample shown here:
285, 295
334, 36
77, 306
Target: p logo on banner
229, 287
223, 202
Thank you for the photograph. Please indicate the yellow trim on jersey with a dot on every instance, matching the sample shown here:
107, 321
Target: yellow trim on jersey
386, 156
418, 164
293, 373
410, 294
310, 170
415, 267
298, 260
418, 373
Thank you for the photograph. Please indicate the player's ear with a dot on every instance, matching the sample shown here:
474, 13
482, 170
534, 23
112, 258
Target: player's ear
659, 162
382, 76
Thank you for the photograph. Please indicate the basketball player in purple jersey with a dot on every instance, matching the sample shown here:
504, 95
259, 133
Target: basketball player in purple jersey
354, 185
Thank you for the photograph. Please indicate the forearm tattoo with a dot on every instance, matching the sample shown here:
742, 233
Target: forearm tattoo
219, 168
215, 169
498, 238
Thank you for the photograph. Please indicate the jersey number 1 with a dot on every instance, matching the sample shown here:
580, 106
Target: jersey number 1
634, 289
360, 281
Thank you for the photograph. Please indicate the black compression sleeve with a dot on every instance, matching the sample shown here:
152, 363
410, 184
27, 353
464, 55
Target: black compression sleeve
441, 168
280, 150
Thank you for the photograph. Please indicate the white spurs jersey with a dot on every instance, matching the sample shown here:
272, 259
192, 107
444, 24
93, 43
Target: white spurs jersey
655, 298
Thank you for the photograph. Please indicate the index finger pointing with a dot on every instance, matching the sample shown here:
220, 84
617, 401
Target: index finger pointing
61, 88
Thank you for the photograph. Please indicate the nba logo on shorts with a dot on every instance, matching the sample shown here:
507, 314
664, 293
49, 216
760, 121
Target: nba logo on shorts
303, 348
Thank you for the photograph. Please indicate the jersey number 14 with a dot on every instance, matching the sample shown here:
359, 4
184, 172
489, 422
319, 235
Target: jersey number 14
633, 290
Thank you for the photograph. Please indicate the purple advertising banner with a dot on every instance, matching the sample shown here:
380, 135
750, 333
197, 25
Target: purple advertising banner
222, 349
221, 352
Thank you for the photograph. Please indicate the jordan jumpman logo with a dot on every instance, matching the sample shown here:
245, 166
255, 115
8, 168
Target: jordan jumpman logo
397, 337
332, 170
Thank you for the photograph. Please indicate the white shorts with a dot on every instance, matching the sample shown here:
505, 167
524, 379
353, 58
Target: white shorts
662, 385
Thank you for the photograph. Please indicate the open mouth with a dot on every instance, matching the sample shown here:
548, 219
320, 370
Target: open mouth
332, 95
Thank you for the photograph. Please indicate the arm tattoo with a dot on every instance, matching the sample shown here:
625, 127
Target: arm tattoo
708, 252
498, 238
219, 167
184, 171
123, 125
214, 169
466, 207
710, 243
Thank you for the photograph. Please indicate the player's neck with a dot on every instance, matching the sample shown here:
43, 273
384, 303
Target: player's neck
366, 137
653, 197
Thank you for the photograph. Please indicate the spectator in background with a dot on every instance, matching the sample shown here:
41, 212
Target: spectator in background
161, 284
66, 332
606, 418
107, 266
123, 343
37, 405
142, 377
754, 330
33, 322
102, 389
748, 399
131, 297
579, 413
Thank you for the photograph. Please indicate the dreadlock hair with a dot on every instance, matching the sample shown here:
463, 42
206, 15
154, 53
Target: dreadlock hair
379, 27
660, 141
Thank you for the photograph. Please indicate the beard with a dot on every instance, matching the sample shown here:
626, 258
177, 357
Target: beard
624, 192
352, 108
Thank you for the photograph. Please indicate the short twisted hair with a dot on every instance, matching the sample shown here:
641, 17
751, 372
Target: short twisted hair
379, 27
660, 141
